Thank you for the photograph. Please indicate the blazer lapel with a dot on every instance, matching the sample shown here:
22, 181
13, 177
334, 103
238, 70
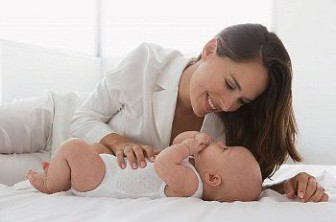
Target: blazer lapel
164, 104
165, 98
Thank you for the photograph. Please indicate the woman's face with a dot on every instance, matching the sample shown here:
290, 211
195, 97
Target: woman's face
219, 84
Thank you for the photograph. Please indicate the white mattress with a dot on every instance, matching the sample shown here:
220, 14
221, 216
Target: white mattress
23, 203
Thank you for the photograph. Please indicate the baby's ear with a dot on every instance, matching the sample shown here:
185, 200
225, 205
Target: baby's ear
213, 179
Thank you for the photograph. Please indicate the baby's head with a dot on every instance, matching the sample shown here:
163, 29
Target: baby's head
229, 174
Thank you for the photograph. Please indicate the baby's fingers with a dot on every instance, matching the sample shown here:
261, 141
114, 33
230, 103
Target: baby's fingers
150, 152
203, 138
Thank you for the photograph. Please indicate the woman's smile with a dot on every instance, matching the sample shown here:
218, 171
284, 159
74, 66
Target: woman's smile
209, 104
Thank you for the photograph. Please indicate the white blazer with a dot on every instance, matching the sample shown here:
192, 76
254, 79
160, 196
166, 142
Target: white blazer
137, 99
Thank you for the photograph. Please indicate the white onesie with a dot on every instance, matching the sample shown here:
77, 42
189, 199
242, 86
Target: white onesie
133, 183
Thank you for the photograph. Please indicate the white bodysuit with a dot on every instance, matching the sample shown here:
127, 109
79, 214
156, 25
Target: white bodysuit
133, 183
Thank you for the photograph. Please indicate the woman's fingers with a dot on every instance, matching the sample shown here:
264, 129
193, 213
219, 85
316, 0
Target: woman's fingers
305, 187
302, 180
311, 188
136, 154
289, 189
324, 198
139, 155
318, 195
119, 153
129, 153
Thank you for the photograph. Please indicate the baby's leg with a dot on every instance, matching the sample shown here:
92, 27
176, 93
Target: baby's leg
75, 164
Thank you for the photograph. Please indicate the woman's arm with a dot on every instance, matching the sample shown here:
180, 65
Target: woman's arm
110, 97
168, 165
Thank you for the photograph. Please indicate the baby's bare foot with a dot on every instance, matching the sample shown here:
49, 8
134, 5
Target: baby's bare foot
45, 166
39, 181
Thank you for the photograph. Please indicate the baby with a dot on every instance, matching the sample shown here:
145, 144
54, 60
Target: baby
194, 166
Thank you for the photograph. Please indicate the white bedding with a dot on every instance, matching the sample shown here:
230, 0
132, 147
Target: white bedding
23, 203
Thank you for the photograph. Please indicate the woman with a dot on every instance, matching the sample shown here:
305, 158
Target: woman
239, 88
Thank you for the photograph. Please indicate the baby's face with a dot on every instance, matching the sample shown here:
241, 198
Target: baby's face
214, 155
219, 157
238, 169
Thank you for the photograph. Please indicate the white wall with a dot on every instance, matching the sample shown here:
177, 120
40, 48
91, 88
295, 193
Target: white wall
308, 29
184, 25
27, 70
60, 24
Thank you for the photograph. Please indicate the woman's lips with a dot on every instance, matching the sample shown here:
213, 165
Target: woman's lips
209, 104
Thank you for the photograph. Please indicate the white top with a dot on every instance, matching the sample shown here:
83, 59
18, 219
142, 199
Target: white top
137, 99
133, 183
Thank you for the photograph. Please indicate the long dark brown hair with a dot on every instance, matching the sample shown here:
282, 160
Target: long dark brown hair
267, 125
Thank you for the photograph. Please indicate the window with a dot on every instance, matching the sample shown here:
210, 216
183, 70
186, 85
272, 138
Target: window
185, 25
52, 23
122, 25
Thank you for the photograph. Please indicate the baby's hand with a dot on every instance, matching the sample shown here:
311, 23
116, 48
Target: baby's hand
204, 138
194, 146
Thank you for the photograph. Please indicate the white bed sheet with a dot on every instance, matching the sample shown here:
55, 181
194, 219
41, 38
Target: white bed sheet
20, 203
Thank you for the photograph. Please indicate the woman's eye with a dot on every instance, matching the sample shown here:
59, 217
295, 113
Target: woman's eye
229, 86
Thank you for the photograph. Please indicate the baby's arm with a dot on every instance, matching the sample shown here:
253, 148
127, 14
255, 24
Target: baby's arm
185, 135
201, 137
180, 180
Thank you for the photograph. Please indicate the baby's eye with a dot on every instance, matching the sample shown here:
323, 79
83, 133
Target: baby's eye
241, 102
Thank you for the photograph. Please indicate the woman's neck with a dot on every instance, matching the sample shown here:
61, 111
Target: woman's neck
184, 88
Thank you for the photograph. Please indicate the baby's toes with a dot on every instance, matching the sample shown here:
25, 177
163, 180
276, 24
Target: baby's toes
31, 174
45, 166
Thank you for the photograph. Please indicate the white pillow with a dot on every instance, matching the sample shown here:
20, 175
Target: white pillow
25, 124
65, 106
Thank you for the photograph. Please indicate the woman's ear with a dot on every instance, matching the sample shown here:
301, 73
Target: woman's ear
209, 49
213, 179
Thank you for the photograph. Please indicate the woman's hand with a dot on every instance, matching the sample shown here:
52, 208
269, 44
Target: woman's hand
135, 153
305, 187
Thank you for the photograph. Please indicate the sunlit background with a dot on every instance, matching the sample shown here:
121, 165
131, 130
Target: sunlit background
113, 28
93, 33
